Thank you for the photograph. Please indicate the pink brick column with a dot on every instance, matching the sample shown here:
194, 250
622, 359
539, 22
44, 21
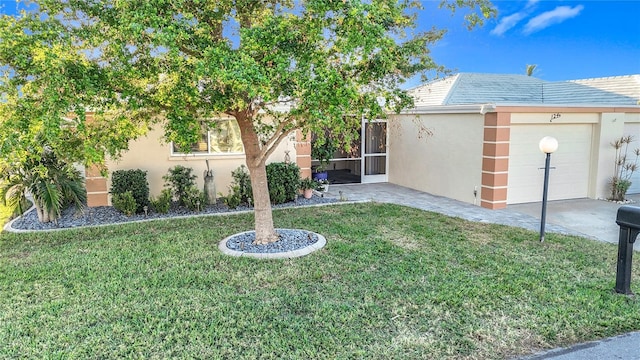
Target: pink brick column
495, 160
303, 153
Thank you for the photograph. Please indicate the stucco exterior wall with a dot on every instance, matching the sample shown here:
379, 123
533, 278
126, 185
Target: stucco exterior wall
448, 163
152, 154
632, 118
632, 128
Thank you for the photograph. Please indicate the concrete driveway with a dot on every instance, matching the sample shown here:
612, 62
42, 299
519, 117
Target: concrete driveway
594, 218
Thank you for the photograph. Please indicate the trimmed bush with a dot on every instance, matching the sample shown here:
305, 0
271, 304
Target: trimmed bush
125, 203
195, 199
284, 181
180, 179
133, 181
163, 202
233, 199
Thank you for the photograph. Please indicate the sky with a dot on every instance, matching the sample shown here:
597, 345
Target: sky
566, 40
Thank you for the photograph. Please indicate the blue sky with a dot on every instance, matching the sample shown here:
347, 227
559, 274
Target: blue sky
566, 39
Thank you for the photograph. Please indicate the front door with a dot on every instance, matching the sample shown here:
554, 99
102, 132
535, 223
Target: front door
374, 151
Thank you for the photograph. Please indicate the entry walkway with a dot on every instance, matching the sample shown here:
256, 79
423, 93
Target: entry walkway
584, 217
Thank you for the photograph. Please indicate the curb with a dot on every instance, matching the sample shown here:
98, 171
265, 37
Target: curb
322, 241
8, 227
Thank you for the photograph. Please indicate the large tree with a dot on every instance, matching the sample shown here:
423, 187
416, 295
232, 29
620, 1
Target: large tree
135, 63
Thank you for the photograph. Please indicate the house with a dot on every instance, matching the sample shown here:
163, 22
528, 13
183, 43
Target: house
221, 147
486, 129
483, 148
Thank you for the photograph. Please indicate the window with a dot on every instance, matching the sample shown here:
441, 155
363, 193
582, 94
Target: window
224, 138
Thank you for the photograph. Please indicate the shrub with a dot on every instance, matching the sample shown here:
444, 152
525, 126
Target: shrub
240, 191
284, 181
180, 179
163, 202
125, 203
134, 181
195, 199
233, 199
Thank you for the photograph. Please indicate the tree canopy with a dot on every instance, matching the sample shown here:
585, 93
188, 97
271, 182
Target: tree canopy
274, 66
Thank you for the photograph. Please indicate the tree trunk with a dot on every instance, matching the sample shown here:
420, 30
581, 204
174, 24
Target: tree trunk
265, 231
43, 215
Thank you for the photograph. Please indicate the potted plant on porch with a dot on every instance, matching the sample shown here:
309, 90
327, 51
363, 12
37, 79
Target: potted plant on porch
307, 185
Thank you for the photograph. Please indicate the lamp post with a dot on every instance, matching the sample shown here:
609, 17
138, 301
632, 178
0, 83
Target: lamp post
547, 145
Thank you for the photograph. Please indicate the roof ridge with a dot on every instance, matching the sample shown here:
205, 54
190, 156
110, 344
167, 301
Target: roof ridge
452, 89
607, 77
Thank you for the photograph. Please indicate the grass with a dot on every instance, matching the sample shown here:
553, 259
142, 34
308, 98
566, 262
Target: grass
392, 283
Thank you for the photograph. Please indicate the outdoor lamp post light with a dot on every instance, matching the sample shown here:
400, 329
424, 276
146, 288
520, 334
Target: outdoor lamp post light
547, 145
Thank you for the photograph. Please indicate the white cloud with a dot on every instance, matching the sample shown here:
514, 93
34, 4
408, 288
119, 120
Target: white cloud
507, 23
512, 20
531, 3
555, 16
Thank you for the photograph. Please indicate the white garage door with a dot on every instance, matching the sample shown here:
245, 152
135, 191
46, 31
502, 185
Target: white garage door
634, 130
569, 179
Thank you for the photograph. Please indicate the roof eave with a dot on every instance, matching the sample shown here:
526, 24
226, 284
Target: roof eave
451, 109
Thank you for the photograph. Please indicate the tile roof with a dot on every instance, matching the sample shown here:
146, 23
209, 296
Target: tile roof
628, 85
509, 89
433, 93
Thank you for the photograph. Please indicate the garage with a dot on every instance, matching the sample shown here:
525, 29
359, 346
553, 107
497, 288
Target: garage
633, 129
569, 177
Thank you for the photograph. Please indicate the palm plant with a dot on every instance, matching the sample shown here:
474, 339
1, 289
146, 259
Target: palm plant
53, 184
624, 167
531, 68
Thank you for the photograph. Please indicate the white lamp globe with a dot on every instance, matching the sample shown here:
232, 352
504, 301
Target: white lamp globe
548, 144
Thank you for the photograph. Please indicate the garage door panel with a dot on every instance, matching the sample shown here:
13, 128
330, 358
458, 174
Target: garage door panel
634, 130
569, 176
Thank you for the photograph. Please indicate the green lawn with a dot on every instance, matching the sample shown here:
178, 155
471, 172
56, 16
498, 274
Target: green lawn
392, 283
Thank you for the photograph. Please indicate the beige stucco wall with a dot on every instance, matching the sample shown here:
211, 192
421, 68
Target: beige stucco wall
632, 128
153, 154
448, 163
632, 118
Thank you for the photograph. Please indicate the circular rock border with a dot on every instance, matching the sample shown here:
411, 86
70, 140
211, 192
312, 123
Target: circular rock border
319, 244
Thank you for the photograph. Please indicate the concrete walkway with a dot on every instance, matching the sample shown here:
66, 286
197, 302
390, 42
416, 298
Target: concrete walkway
594, 219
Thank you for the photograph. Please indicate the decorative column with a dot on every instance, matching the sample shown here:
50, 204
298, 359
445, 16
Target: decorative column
96, 184
303, 153
495, 160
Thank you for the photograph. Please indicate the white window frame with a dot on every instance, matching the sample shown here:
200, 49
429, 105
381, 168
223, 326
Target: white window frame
208, 152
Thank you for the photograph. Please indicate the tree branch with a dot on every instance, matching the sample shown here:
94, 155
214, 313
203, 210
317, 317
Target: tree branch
275, 140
